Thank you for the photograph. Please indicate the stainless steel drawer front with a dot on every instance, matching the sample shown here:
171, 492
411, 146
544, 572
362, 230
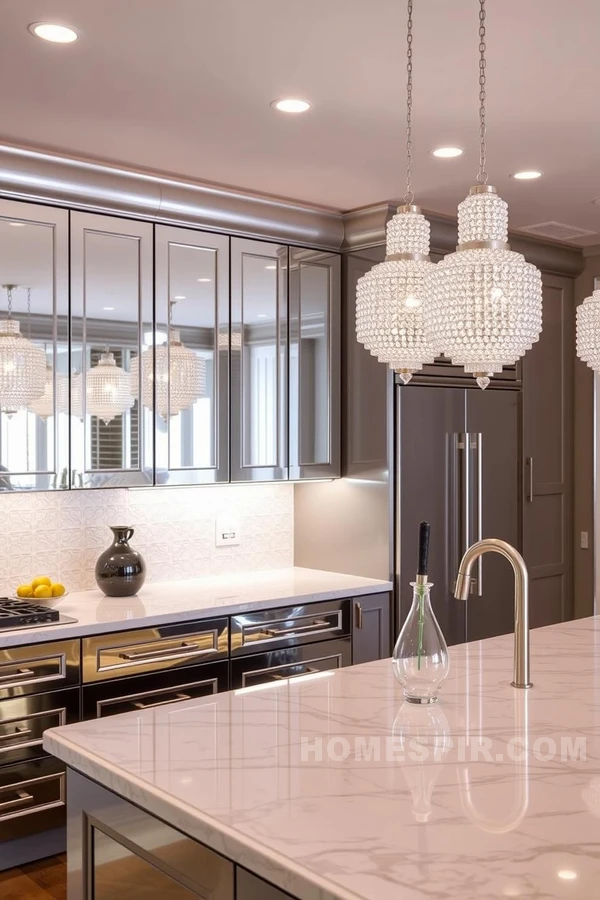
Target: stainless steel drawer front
159, 697
26, 670
27, 731
286, 628
291, 670
23, 720
142, 652
32, 798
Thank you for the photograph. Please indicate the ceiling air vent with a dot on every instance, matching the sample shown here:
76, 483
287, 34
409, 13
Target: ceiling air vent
557, 231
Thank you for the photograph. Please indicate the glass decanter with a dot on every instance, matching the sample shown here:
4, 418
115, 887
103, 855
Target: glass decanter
420, 657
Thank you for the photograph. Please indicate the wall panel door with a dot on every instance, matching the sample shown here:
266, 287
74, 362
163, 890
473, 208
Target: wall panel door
548, 457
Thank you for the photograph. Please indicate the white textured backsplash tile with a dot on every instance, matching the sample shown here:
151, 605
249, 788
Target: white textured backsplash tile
62, 534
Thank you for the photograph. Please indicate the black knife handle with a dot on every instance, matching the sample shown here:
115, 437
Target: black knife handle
424, 529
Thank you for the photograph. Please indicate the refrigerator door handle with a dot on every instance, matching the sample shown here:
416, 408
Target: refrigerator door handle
465, 444
477, 445
455, 531
529, 464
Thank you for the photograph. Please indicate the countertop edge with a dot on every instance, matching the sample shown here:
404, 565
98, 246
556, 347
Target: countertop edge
265, 863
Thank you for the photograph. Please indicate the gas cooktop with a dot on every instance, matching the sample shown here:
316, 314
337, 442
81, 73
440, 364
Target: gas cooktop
26, 614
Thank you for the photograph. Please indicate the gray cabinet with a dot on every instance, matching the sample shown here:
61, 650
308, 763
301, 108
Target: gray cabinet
192, 356
111, 352
548, 457
259, 361
371, 628
315, 368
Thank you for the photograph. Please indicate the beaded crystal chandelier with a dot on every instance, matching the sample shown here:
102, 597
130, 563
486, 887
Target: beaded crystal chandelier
22, 364
107, 389
180, 376
588, 331
391, 297
44, 405
485, 301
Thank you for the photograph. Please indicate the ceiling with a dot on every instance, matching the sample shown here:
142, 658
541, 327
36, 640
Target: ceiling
184, 86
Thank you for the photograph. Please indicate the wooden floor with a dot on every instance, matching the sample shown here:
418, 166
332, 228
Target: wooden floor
43, 880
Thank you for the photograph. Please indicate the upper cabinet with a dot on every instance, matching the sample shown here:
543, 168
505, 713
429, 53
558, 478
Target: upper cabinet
34, 348
259, 361
315, 337
192, 356
112, 352
134, 354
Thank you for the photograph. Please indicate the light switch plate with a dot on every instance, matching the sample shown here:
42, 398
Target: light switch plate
227, 532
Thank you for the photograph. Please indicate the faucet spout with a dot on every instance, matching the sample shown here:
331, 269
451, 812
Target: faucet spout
521, 677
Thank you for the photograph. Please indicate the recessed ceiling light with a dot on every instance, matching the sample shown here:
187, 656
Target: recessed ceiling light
527, 175
567, 874
447, 152
270, 267
17, 224
261, 316
108, 308
50, 31
205, 279
290, 105
179, 297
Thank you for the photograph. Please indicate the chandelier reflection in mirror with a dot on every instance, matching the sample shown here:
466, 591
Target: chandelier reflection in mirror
108, 389
44, 405
22, 364
180, 374
391, 297
485, 301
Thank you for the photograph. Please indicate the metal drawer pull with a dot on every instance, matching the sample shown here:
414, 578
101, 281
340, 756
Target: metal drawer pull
23, 798
309, 670
20, 673
282, 632
166, 653
358, 615
18, 732
176, 699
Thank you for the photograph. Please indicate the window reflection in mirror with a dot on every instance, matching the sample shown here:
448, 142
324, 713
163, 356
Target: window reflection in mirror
260, 361
33, 348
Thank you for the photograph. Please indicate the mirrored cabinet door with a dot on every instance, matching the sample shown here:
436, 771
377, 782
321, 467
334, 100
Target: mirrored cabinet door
315, 336
112, 371
34, 352
191, 342
259, 361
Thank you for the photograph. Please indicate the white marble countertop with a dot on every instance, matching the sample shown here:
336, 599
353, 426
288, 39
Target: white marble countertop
487, 804
180, 601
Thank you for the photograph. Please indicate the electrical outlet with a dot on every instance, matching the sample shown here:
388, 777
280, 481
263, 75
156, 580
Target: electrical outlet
584, 542
227, 532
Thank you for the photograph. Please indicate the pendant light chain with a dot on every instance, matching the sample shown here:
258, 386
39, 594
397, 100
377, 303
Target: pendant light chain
409, 196
28, 313
9, 291
482, 175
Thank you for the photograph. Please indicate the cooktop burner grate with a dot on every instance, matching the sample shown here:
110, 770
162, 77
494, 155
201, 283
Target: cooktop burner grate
21, 613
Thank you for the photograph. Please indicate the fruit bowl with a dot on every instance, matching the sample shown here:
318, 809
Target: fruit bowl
42, 587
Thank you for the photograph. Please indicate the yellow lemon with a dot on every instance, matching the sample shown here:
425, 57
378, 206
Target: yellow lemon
42, 591
41, 579
24, 590
58, 589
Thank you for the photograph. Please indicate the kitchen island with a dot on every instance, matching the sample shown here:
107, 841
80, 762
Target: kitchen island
329, 787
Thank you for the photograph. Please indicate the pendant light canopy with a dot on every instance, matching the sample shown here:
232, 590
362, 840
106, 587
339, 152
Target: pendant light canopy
107, 389
390, 298
588, 331
485, 301
22, 364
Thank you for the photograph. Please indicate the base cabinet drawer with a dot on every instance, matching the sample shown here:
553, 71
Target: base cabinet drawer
38, 668
108, 698
290, 662
23, 721
32, 798
290, 626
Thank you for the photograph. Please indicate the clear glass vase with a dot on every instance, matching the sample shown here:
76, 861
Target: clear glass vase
420, 657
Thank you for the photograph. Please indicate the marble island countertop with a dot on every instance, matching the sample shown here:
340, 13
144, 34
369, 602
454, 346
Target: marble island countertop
180, 601
333, 789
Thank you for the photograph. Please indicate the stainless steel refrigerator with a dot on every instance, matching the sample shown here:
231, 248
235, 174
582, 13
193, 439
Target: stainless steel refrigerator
458, 467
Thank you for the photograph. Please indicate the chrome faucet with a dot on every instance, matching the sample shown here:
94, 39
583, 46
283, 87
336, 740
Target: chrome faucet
463, 586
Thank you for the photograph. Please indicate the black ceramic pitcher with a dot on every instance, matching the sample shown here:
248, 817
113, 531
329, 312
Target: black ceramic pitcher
120, 570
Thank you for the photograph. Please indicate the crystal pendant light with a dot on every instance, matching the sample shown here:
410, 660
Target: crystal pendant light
180, 375
588, 331
390, 298
485, 302
22, 364
107, 389
44, 405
